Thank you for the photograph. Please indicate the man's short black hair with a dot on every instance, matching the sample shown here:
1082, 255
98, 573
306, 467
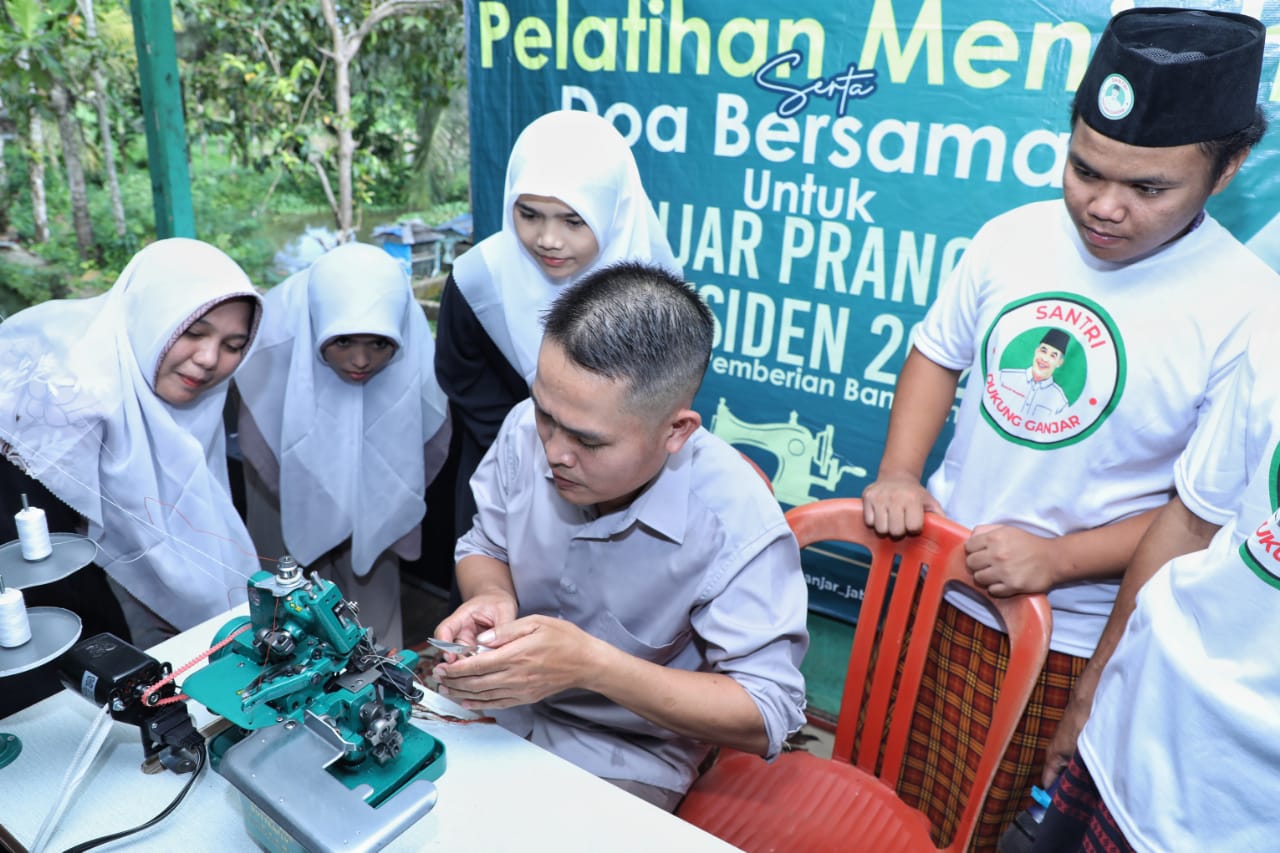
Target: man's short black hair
1222, 150
638, 323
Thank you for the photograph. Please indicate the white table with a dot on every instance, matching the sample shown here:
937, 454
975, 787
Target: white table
498, 793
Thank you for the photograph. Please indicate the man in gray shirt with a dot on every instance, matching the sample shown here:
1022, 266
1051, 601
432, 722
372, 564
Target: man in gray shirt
634, 580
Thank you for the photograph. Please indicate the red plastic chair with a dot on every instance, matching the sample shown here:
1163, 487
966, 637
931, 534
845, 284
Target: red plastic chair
805, 803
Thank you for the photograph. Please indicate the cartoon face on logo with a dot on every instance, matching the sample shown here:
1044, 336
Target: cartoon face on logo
1053, 366
1115, 97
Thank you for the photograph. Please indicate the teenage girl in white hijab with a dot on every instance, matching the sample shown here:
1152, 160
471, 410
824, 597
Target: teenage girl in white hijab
114, 403
573, 202
343, 426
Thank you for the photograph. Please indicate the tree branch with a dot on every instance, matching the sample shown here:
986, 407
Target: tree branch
384, 10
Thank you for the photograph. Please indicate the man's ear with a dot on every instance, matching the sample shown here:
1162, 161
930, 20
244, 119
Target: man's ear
1233, 166
682, 424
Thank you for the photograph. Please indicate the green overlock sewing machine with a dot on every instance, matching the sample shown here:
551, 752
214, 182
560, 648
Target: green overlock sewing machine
320, 742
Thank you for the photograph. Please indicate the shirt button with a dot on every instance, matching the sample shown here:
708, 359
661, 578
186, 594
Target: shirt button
568, 586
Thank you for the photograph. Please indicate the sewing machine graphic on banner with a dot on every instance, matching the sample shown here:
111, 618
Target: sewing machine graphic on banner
320, 742
797, 449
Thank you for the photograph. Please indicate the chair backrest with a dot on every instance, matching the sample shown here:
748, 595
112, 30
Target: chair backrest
899, 591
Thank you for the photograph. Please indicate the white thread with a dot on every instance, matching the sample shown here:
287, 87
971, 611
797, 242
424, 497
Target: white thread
28, 451
15, 627
81, 761
33, 533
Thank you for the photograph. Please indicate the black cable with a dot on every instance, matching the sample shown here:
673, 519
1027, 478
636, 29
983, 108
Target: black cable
105, 839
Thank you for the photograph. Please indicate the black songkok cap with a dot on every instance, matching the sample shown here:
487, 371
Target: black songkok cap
1164, 77
1057, 339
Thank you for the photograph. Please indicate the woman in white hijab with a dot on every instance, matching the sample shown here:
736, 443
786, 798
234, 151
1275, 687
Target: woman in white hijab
573, 202
114, 403
343, 426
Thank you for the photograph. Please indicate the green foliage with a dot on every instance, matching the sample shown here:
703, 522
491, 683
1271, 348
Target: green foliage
258, 92
22, 286
224, 198
44, 43
437, 214
259, 75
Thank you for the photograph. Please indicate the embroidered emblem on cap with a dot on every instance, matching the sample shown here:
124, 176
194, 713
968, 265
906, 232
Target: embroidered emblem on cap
1115, 97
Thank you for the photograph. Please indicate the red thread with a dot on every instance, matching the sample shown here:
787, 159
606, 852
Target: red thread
194, 529
146, 694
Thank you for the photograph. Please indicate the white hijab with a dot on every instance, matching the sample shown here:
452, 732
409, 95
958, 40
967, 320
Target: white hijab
79, 411
580, 159
350, 456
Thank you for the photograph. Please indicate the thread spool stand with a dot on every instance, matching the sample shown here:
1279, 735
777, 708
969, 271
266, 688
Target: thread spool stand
71, 553
57, 555
53, 631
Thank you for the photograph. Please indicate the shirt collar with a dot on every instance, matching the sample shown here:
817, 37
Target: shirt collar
664, 506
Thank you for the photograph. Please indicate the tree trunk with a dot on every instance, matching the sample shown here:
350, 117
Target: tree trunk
104, 124
314, 160
109, 153
346, 146
343, 51
35, 172
6, 197
423, 191
345, 48
69, 133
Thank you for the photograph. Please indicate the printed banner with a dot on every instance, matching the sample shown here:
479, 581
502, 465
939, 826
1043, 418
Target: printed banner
820, 168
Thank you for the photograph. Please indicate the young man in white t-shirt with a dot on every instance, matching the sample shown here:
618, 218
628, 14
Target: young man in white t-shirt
1182, 747
1163, 119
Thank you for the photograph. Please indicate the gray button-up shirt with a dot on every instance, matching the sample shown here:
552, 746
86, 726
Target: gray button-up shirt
700, 572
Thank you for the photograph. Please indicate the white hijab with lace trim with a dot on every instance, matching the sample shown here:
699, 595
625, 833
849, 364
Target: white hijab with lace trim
350, 455
580, 159
78, 411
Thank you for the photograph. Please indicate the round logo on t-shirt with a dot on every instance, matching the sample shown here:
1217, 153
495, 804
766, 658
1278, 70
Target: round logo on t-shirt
1053, 368
1261, 549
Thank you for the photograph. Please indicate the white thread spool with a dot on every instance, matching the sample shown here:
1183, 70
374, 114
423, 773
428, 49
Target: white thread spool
15, 627
33, 532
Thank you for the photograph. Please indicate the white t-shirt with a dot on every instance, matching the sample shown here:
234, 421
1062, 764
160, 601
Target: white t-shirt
1184, 739
1150, 343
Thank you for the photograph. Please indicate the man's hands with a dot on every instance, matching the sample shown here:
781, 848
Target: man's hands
1004, 560
477, 615
1063, 746
1007, 561
530, 659
895, 504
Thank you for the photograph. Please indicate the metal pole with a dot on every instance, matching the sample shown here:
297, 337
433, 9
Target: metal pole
163, 117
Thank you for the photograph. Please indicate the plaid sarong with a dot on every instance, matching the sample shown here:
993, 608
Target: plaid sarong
966, 665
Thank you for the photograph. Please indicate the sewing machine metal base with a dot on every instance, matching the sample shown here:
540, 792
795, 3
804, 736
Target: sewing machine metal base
320, 742
292, 804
